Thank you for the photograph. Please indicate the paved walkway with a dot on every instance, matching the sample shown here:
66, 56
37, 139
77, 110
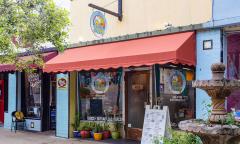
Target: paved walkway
8, 137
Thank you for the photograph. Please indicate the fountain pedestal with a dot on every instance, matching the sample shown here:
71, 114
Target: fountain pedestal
218, 88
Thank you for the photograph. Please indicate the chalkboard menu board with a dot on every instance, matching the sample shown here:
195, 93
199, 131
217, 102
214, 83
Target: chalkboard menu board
156, 125
96, 107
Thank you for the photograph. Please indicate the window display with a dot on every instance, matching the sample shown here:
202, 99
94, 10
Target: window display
100, 95
233, 69
176, 93
33, 99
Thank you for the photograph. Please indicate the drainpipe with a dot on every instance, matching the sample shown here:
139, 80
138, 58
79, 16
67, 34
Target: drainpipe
221, 39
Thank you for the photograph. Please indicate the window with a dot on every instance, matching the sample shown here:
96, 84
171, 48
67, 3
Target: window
33, 95
100, 95
177, 93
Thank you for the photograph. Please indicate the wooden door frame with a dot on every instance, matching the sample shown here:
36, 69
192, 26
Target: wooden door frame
126, 76
3, 95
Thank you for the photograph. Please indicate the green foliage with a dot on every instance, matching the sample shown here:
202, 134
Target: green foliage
28, 25
230, 120
106, 126
179, 138
76, 122
86, 126
98, 128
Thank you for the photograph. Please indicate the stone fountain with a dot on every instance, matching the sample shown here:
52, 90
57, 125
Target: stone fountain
218, 88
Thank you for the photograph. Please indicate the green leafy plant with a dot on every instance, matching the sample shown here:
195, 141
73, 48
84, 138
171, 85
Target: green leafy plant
178, 137
98, 128
230, 120
76, 122
106, 126
92, 125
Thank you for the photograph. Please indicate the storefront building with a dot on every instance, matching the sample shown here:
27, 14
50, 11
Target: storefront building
118, 64
34, 94
114, 81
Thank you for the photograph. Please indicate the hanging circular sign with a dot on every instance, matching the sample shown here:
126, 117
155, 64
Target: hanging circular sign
177, 82
98, 23
100, 83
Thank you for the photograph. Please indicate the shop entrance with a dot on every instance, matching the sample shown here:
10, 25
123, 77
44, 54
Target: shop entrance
1, 101
137, 96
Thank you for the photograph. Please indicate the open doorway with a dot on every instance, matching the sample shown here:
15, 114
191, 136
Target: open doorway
52, 103
38, 101
137, 96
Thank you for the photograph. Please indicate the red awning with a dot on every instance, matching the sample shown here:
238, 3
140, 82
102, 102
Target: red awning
11, 67
173, 48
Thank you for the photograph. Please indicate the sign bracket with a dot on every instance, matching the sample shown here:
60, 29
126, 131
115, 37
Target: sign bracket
118, 15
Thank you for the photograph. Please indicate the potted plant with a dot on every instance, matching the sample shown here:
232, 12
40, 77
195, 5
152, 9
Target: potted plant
92, 127
84, 130
75, 125
106, 132
116, 132
97, 132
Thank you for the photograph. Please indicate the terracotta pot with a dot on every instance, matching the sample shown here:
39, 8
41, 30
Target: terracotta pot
85, 134
115, 135
97, 136
106, 134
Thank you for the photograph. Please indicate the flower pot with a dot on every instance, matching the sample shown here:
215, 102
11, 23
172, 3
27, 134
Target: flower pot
97, 136
115, 134
85, 134
75, 134
106, 134
91, 134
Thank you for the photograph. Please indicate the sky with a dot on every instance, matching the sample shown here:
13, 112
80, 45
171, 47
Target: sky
63, 3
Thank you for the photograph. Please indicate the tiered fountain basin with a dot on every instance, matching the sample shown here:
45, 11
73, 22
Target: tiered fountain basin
212, 133
218, 88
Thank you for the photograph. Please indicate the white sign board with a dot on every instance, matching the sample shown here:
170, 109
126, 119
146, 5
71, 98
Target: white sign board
156, 125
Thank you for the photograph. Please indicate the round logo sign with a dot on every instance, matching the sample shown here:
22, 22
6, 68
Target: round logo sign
98, 23
100, 83
62, 83
177, 82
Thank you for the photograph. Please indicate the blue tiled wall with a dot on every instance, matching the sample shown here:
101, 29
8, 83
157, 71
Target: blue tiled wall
205, 58
11, 100
62, 110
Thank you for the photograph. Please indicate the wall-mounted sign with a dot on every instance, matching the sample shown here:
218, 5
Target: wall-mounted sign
98, 23
62, 83
100, 83
177, 82
178, 98
34, 80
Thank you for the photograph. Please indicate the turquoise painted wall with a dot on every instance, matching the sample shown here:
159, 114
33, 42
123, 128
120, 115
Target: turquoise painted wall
205, 58
62, 124
11, 100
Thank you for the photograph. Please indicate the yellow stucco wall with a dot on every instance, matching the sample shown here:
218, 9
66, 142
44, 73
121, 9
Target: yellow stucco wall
72, 100
138, 16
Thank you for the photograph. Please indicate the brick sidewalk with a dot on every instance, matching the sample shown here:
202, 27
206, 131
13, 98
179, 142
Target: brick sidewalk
8, 137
